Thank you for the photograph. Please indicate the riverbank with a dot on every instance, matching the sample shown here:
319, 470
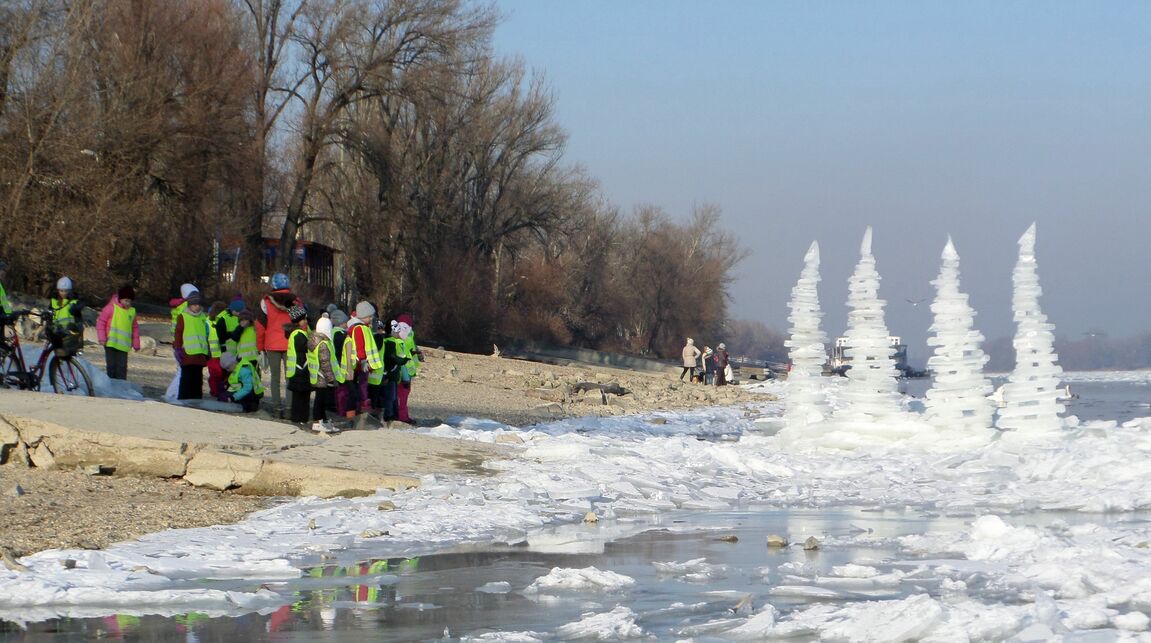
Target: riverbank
57, 507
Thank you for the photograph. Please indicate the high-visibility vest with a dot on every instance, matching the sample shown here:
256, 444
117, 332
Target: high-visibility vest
246, 347
413, 361
5, 305
120, 329
372, 354
176, 312
231, 323
376, 377
62, 312
213, 340
314, 362
401, 351
196, 334
292, 350
234, 384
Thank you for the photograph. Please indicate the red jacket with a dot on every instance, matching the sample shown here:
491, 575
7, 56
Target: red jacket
270, 335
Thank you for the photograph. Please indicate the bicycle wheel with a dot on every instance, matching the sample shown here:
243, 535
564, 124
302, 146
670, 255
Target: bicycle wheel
69, 378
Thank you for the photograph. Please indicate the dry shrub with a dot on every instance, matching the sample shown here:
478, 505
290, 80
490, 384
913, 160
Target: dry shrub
456, 309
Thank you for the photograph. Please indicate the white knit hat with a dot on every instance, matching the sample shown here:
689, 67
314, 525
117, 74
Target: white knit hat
324, 326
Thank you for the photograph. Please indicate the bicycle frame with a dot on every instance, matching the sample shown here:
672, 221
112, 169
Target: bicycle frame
31, 378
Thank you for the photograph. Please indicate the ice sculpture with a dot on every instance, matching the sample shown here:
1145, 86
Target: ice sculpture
1030, 397
872, 389
806, 400
957, 400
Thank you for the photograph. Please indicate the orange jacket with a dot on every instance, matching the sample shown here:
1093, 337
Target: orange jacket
270, 335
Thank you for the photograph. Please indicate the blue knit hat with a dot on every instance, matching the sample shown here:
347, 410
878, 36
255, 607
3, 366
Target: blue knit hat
279, 281
237, 305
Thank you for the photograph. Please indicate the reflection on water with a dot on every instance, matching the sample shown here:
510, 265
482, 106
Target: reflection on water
464, 593
472, 592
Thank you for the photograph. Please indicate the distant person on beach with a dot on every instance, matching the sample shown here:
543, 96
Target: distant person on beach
705, 372
719, 363
191, 348
296, 334
690, 359
118, 331
270, 334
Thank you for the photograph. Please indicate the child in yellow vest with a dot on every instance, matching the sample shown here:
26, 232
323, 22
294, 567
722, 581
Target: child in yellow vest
118, 331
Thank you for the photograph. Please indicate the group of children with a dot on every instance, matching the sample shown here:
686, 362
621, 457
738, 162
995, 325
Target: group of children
353, 365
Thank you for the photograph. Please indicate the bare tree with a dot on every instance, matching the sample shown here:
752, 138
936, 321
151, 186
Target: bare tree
352, 51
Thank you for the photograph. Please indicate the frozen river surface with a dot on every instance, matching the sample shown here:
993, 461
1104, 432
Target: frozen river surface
1025, 540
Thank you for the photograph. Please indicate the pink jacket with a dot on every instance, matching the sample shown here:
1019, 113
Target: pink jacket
105, 320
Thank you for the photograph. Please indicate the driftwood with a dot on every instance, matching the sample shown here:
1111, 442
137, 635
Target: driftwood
604, 389
611, 389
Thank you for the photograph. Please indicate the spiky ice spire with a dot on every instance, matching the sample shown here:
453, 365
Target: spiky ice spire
806, 401
957, 400
1030, 397
872, 390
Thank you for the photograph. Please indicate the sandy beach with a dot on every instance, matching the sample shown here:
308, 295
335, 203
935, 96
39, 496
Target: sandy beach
55, 508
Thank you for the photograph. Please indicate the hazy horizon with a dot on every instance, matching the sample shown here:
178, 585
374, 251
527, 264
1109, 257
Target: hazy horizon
810, 121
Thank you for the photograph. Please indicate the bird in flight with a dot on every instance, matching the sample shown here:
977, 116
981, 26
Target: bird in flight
916, 302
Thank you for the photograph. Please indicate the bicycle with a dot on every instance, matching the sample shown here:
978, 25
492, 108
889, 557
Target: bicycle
57, 359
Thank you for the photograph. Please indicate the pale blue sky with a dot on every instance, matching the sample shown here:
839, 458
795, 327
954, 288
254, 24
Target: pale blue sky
810, 120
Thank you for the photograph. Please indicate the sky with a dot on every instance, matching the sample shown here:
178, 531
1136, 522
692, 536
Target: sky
808, 121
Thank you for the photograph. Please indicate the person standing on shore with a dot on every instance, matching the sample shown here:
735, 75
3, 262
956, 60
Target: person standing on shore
325, 372
720, 361
704, 370
65, 307
270, 334
178, 305
690, 358
217, 338
228, 325
191, 348
409, 370
395, 358
361, 356
342, 396
299, 381
247, 343
118, 331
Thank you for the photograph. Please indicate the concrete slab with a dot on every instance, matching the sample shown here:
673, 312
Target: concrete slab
222, 451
